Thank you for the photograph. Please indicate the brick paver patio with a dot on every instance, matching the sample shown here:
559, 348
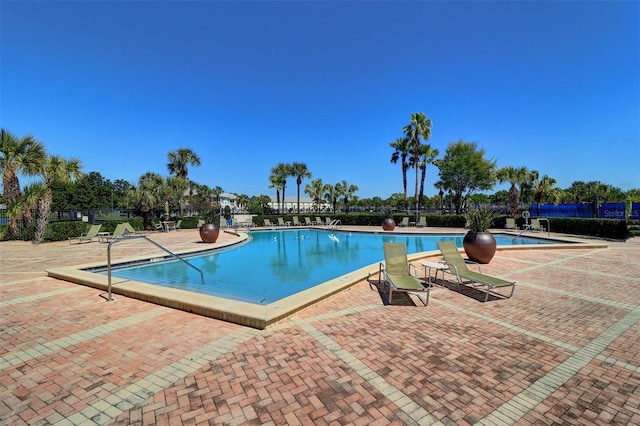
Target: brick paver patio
564, 350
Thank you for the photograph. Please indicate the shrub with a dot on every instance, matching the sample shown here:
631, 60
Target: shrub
189, 222
60, 231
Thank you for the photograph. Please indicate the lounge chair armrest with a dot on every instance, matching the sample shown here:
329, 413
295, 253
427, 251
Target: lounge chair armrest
413, 270
471, 262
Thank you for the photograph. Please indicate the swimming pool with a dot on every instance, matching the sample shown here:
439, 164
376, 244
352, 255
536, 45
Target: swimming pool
279, 263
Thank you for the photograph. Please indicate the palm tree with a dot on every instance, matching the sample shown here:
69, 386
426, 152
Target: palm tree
418, 128
427, 156
516, 176
544, 186
54, 169
178, 165
278, 180
217, 192
344, 190
402, 151
300, 171
315, 189
148, 195
18, 155
180, 160
331, 195
175, 186
242, 201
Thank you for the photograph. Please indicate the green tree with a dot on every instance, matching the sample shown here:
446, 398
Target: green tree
120, 189
260, 204
331, 196
500, 198
278, 179
300, 172
419, 128
516, 176
346, 191
403, 148
25, 156
91, 191
54, 169
147, 195
464, 170
315, 189
242, 201
178, 165
427, 156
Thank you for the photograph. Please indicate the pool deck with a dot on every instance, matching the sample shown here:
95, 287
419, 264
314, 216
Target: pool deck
564, 350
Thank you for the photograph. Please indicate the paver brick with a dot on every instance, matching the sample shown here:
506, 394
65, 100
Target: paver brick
458, 360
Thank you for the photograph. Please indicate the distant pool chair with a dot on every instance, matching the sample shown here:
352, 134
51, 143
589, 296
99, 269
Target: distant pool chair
89, 236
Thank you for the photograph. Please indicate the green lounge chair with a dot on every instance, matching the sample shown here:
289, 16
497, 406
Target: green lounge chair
458, 266
267, 222
122, 229
396, 272
318, 221
280, 221
296, 221
510, 223
89, 236
536, 225
422, 222
404, 222
307, 221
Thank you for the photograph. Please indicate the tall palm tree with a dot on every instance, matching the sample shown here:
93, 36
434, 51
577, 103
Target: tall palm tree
345, 190
178, 165
331, 196
54, 169
180, 160
278, 180
22, 155
418, 128
217, 192
402, 151
427, 156
315, 189
545, 186
517, 176
299, 171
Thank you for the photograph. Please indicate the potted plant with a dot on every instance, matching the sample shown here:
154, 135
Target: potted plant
388, 224
479, 243
210, 230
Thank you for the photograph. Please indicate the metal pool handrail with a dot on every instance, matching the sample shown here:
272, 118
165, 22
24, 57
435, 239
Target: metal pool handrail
152, 242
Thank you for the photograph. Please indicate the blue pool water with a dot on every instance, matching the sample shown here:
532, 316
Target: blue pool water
277, 264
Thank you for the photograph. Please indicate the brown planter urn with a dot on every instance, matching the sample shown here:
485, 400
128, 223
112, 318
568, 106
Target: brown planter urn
388, 224
479, 246
209, 232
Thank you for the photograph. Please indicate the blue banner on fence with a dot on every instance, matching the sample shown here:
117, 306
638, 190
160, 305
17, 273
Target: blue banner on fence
563, 210
586, 210
618, 211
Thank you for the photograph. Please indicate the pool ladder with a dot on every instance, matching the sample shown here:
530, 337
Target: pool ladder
335, 223
129, 237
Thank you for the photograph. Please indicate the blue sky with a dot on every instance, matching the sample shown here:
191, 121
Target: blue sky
553, 86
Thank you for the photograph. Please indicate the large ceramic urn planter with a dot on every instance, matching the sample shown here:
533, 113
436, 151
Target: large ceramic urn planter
388, 224
209, 232
479, 246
